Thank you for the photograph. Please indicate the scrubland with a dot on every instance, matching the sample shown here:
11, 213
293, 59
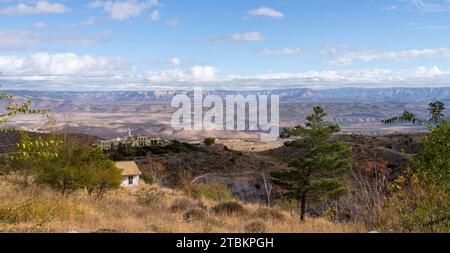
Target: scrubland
145, 209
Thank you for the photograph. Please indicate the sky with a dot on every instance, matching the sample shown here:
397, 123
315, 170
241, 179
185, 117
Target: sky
223, 44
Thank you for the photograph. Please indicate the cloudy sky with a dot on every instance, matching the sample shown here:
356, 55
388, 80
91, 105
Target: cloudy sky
223, 44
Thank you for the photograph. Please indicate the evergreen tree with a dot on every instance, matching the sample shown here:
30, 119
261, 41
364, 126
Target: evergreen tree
318, 173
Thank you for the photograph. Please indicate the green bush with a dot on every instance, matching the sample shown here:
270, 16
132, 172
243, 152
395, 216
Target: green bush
416, 205
76, 168
149, 197
214, 192
179, 147
209, 141
148, 178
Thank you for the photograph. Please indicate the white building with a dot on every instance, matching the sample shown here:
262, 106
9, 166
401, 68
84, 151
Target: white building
145, 141
133, 141
131, 173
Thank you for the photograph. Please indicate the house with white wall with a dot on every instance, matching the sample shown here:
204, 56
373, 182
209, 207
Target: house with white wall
130, 172
132, 141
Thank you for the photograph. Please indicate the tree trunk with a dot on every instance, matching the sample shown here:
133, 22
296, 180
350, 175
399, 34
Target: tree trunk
302, 208
268, 189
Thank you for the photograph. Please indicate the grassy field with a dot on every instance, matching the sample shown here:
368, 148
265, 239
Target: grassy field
146, 209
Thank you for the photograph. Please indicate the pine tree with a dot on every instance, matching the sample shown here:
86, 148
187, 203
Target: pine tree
318, 173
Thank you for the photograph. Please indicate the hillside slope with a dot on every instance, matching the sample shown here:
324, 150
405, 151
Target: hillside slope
146, 209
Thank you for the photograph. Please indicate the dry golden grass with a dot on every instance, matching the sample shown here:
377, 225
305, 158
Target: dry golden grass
41, 210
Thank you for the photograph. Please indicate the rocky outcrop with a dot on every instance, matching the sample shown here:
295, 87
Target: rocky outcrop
248, 186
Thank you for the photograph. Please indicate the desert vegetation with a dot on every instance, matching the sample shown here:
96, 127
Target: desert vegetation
148, 209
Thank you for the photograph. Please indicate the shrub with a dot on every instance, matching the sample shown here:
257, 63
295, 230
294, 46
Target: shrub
149, 197
269, 214
215, 192
331, 213
365, 203
30, 211
195, 214
158, 171
99, 174
416, 205
182, 205
256, 227
287, 205
185, 182
229, 208
78, 168
148, 178
209, 141
179, 147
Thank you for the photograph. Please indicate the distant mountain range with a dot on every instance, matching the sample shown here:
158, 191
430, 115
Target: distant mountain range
112, 114
404, 95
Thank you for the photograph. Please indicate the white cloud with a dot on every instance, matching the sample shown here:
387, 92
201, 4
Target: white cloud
71, 71
250, 36
203, 73
68, 71
327, 75
390, 8
425, 26
266, 12
279, 51
155, 16
122, 10
154, 3
28, 41
93, 21
347, 57
79, 41
175, 75
18, 40
426, 6
40, 25
67, 64
431, 72
175, 62
40, 7
195, 74
330, 78
173, 22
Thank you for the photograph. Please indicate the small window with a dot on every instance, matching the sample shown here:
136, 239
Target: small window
130, 180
